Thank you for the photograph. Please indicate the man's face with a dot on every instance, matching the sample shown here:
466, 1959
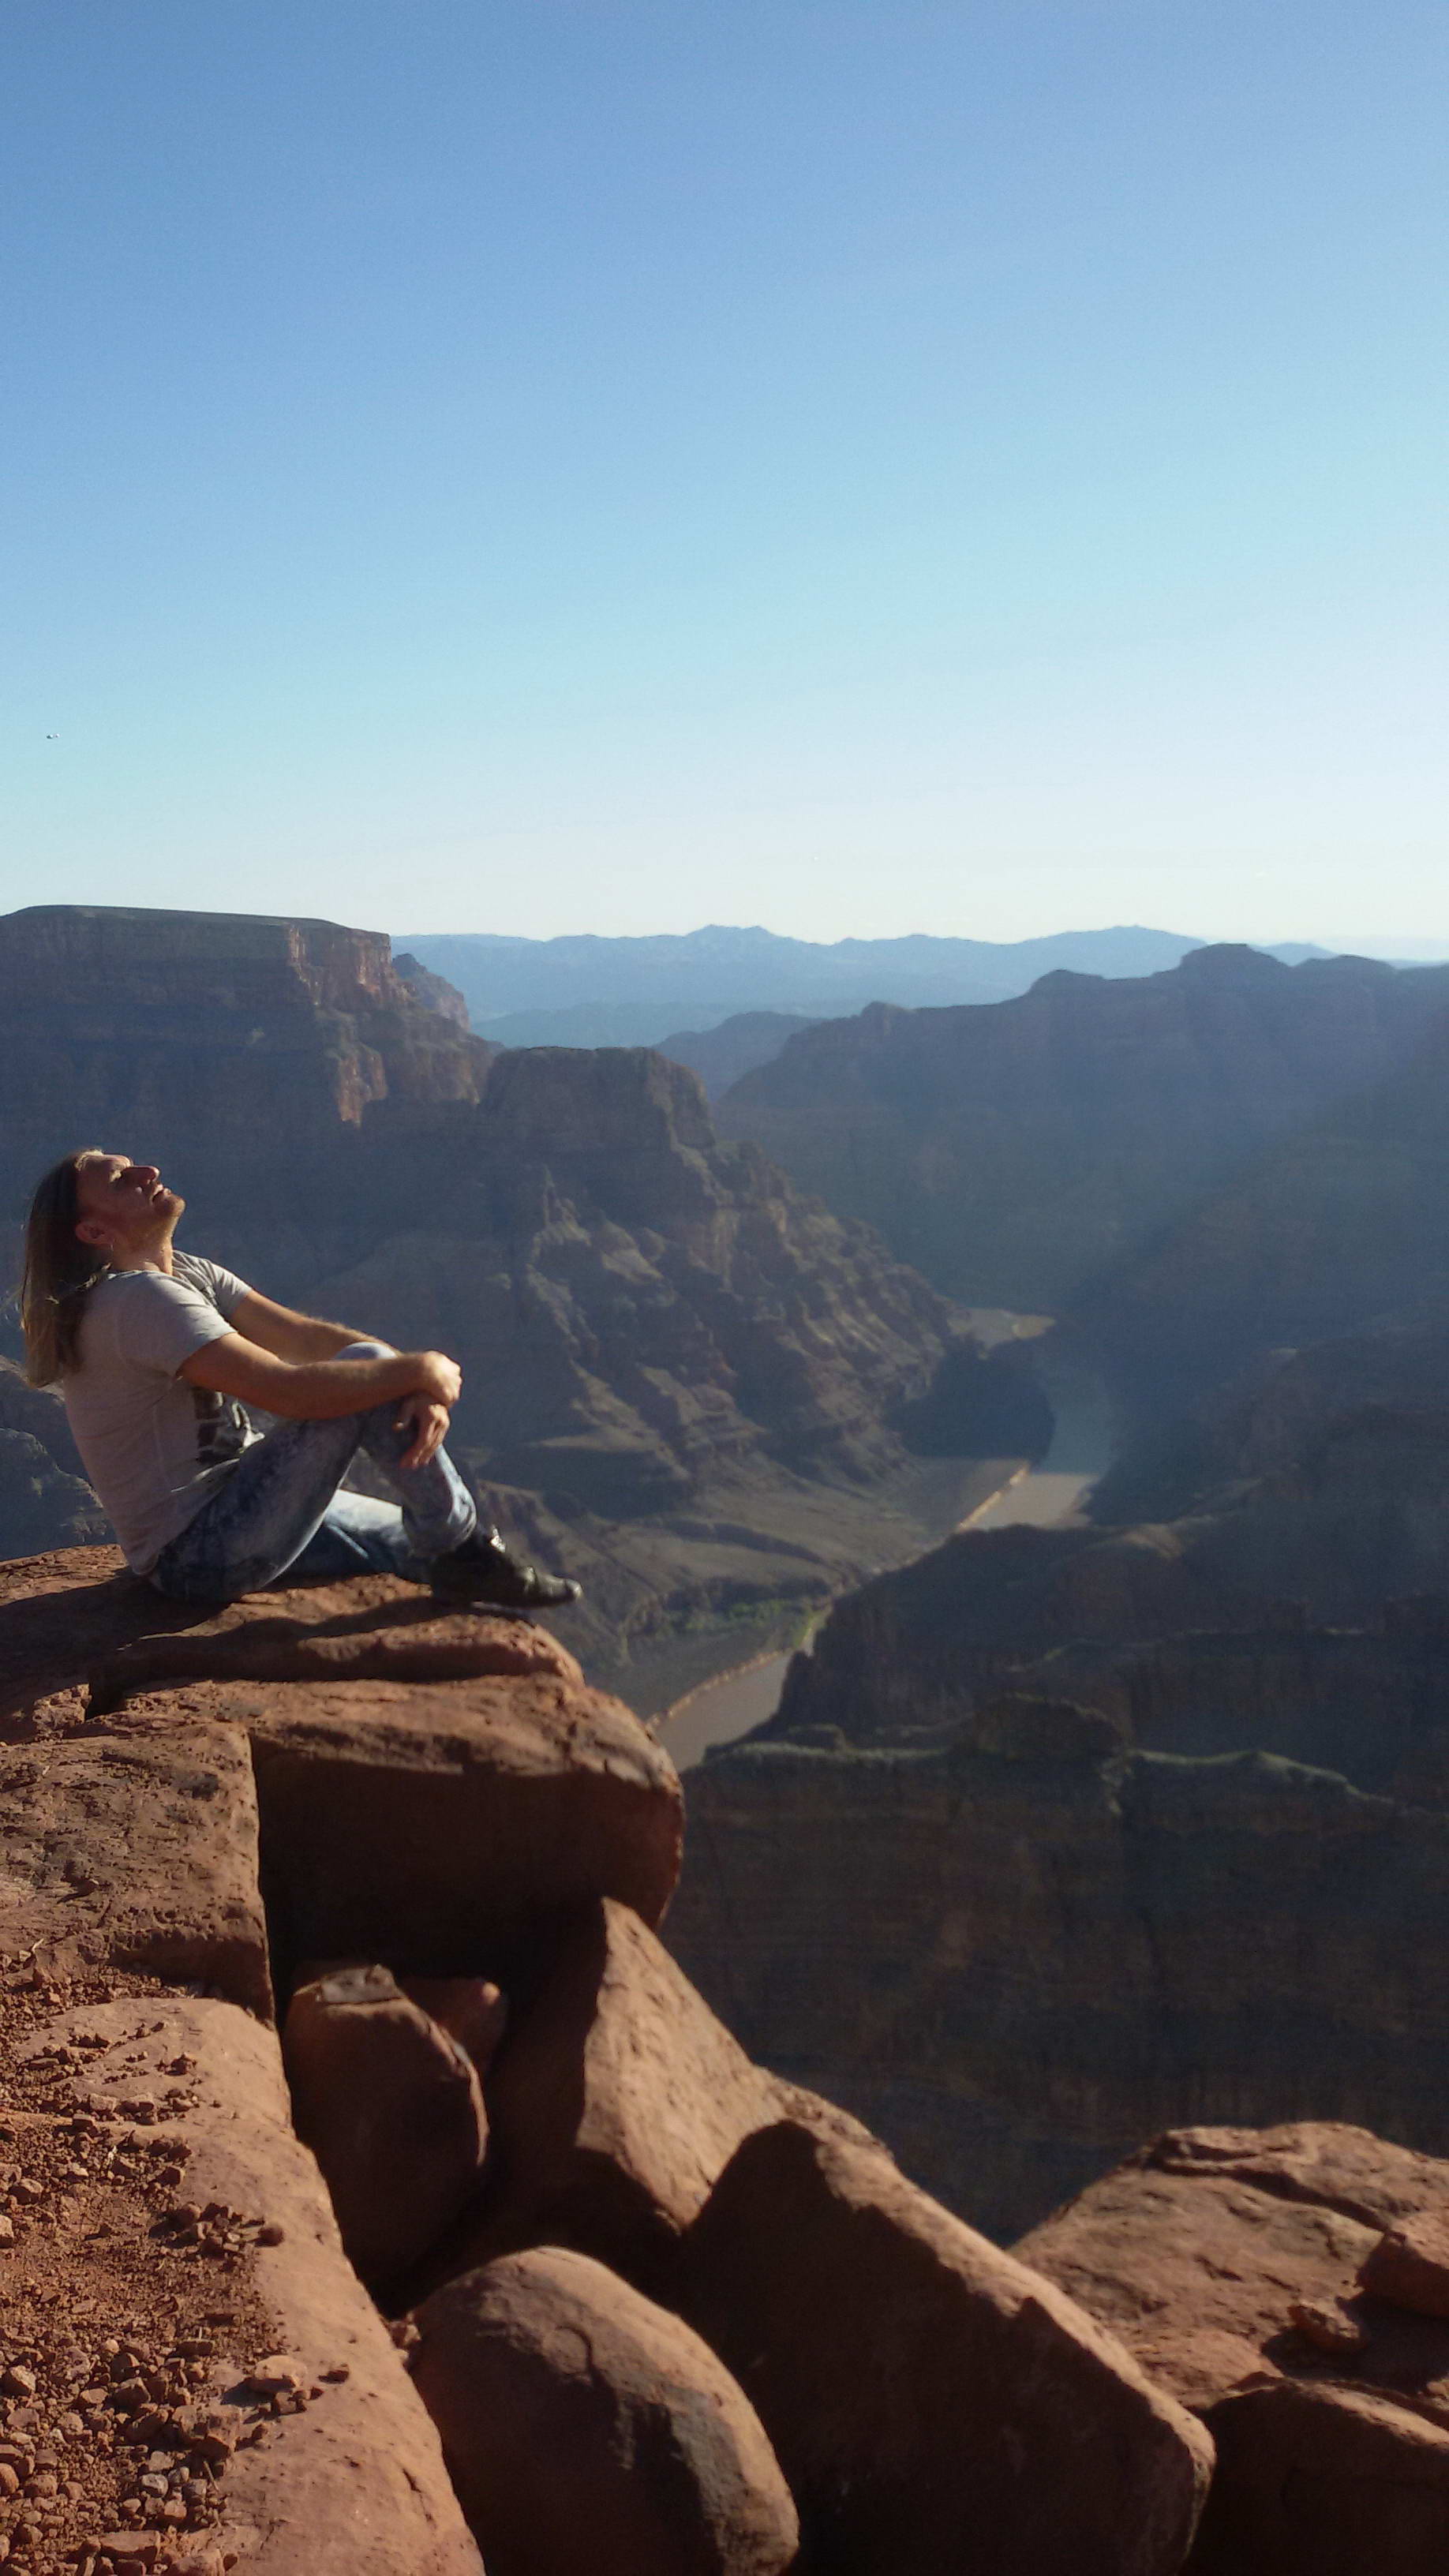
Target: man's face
122, 1206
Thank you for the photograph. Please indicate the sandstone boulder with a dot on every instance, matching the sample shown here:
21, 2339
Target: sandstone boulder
935, 2405
391, 2107
615, 2104
1252, 2275
1409, 2266
137, 1850
1329, 2163
1324, 2481
586, 2428
353, 2484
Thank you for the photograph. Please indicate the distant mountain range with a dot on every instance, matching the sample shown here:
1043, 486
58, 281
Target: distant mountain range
587, 991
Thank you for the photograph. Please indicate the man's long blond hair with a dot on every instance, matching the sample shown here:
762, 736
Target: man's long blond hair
59, 1271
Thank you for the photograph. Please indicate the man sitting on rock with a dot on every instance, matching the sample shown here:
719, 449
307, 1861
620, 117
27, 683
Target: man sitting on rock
157, 1351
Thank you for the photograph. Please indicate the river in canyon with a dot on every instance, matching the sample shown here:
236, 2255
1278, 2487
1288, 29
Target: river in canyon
723, 1710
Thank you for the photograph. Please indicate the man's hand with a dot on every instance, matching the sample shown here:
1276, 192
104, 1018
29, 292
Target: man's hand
438, 1378
430, 1428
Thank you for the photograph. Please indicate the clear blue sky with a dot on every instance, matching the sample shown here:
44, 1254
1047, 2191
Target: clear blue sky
509, 464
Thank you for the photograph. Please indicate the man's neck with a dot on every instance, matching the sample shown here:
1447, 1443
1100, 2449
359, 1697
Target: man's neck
157, 1254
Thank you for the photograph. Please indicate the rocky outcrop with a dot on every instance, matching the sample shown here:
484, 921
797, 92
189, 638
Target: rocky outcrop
1262, 2279
1014, 1151
256, 1043
618, 2103
448, 1884
433, 991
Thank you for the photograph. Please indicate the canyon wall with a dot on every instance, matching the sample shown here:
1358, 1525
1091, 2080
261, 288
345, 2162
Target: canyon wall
1013, 1151
1337, 1227
1061, 1835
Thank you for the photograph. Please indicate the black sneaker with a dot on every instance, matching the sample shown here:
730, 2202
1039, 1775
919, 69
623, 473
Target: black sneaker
482, 1574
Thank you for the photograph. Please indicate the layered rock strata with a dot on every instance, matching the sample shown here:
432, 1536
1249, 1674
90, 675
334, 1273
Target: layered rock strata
1015, 1951
454, 1880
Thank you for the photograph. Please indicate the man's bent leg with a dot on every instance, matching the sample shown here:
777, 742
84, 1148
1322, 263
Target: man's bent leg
463, 1559
355, 1536
261, 1517
438, 1512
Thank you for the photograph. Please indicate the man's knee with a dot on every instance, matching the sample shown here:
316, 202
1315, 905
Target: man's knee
368, 1351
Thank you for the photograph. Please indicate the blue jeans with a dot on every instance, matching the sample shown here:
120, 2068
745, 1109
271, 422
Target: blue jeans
279, 1510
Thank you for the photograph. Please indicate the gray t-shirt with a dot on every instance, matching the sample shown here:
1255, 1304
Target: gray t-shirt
154, 1447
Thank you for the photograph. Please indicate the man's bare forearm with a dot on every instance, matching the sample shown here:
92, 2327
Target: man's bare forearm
293, 1337
323, 1390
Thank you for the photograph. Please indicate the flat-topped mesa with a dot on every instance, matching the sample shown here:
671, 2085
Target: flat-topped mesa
562, 1101
254, 1036
183, 962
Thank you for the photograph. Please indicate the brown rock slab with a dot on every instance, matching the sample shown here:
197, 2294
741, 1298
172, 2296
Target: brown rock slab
1328, 2162
585, 2427
137, 1850
1322, 2481
616, 2102
933, 2403
78, 1615
1271, 2314
1409, 2266
427, 1823
1198, 2365
354, 2484
392, 2109
374, 1627
1165, 2258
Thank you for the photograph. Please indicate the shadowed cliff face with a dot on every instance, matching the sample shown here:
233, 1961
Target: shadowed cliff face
1011, 1151
1062, 1835
1340, 1224
1303, 1417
